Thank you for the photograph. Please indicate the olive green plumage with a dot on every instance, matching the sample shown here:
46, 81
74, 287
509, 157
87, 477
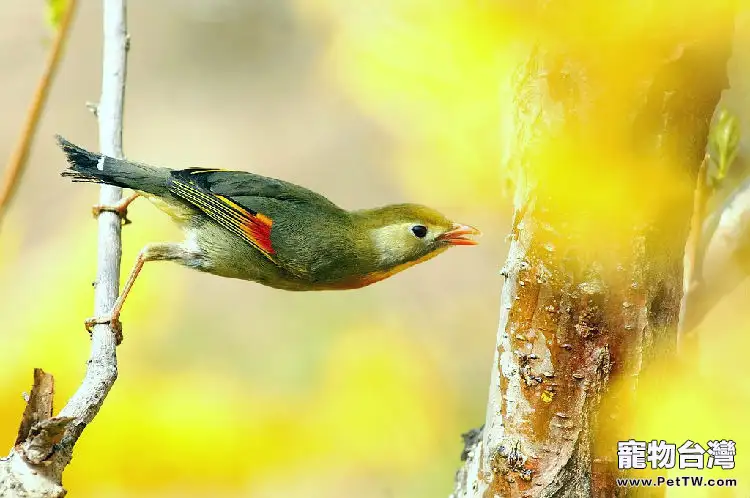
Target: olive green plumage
247, 226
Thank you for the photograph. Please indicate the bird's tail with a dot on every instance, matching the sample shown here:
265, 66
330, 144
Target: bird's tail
85, 166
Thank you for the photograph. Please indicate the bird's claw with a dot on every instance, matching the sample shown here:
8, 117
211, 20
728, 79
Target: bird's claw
119, 210
114, 324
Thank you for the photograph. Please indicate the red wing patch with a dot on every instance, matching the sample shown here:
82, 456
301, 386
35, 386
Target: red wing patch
252, 226
255, 226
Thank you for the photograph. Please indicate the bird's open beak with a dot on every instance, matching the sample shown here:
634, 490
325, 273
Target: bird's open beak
457, 235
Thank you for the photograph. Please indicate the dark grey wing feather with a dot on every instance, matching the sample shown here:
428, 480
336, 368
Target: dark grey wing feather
235, 184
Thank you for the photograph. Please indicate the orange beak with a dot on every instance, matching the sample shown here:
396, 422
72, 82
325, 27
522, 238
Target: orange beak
457, 235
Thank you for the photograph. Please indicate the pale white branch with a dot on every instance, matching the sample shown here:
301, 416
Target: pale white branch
725, 257
45, 446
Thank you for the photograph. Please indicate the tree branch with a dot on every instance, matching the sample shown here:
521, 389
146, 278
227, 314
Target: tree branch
35, 466
693, 258
17, 162
725, 252
720, 240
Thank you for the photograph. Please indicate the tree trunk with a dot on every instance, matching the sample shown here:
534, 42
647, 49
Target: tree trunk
608, 129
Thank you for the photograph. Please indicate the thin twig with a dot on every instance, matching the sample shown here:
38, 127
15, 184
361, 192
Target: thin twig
101, 372
694, 261
693, 272
36, 464
16, 164
724, 252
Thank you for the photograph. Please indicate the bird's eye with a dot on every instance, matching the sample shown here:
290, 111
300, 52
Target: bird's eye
419, 231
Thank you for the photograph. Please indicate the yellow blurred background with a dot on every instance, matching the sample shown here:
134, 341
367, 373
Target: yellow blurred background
228, 388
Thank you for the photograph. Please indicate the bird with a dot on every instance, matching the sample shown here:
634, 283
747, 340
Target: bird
246, 226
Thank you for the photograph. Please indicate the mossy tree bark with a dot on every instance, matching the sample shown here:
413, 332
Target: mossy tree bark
607, 137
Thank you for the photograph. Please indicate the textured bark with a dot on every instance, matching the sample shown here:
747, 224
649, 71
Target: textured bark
44, 446
581, 317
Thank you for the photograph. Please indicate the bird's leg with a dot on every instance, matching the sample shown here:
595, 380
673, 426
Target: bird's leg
151, 252
120, 209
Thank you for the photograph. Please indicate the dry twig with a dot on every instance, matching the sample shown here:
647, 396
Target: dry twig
45, 444
16, 164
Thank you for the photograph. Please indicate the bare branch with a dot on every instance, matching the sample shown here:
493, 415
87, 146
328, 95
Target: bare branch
722, 238
694, 255
724, 252
17, 162
101, 372
693, 258
45, 445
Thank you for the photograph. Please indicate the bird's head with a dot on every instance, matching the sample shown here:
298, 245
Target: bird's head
405, 234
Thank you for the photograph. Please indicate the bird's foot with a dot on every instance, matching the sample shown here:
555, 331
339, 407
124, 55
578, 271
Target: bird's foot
113, 322
120, 209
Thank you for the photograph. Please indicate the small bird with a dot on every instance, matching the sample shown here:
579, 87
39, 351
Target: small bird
242, 225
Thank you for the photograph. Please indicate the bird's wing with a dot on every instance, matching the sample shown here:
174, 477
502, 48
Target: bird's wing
237, 184
191, 186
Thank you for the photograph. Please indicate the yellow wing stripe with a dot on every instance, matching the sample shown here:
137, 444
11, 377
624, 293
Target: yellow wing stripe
255, 228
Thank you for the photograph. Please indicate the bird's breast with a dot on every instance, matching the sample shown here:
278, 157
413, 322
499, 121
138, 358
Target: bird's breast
359, 281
